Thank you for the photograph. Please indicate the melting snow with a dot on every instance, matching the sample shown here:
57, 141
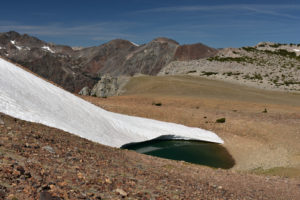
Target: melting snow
48, 49
14, 43
25, 96
297, 50
18, 47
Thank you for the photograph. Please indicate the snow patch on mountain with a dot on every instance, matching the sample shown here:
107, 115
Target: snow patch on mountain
30, 98
48, 49
297, 50
135, 44
14, 43
18, 47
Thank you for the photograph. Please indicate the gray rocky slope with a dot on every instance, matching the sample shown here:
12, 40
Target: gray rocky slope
266, 65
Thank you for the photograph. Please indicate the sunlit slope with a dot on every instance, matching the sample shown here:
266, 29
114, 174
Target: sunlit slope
193, 86
27, 97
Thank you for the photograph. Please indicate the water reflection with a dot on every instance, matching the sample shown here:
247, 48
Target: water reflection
204, 153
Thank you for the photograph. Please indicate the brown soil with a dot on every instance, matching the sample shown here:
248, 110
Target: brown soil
38, 161
194, 52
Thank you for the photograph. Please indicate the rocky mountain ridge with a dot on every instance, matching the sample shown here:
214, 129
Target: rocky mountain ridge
75, 68
266, 65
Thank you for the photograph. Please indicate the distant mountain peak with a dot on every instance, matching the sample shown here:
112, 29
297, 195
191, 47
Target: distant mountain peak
165, 40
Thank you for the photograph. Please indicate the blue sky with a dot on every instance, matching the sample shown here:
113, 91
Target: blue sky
218, 24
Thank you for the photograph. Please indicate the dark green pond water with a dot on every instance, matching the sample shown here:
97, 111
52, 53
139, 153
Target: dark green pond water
203, 153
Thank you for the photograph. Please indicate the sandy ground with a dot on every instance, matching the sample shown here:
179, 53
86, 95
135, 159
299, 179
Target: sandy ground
260, 142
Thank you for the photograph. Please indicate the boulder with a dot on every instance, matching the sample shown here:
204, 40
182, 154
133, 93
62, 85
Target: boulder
107, 86
86, 91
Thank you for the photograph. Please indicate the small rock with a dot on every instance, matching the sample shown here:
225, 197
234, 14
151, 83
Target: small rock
1, 121
10, 133
21, 170
62, 184
42, 172
220, 187
49, 149
121, 192
45, 196
16, 173
27, 175
107, 180
80, 175
12, 197
52, 187
27, 145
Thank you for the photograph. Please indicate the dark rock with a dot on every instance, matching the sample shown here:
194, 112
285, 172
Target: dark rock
21, 170
27, 175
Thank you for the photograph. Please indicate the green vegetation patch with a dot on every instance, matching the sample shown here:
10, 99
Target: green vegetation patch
156, 104
250, 49
209, 73
276, 45
221, 120
291, 82
255, 76
244, 59
231, 73
284, 53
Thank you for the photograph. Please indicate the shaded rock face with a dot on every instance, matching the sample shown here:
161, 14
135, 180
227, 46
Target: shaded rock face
150, 58
107, 86
53, 62
75, 68
106, 58
194, 52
